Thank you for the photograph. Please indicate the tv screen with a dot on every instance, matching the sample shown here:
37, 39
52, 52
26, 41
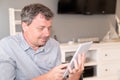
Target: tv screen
86, 6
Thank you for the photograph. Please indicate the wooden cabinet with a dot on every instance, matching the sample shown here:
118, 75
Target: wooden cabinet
109, 61
104, 56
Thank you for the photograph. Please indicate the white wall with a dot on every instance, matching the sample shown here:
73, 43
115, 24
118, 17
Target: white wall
66, 27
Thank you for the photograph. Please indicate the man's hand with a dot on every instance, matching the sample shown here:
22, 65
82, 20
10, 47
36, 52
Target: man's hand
78, 68
54, 74
57, 72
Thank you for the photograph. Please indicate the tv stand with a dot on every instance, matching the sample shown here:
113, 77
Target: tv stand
103, 59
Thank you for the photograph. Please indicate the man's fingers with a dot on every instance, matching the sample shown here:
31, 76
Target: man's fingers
79, 60
76, 65
63, 66
83, 57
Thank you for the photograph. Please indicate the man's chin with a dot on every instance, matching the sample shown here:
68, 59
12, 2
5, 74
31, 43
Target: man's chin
43, 42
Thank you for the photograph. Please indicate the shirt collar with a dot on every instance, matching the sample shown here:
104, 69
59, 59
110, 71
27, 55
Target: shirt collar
24, 44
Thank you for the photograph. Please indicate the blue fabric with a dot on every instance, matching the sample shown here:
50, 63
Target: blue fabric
18, 61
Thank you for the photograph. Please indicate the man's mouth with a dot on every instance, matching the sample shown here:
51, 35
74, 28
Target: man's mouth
44, 39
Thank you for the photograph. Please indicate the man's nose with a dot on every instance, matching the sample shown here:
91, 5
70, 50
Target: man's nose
47, 32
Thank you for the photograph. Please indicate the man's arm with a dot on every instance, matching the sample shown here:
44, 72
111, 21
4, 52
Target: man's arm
7, 70
7, 65
54, 74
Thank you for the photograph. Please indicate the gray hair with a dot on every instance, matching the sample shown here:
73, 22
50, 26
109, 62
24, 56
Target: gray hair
29, 12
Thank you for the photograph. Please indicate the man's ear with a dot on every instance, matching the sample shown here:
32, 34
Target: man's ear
24, 26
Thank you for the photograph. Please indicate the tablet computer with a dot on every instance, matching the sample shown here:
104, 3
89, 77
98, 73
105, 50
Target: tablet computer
83, 48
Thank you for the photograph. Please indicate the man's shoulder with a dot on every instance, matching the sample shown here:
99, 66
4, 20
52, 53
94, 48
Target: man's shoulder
5, 39
8, 39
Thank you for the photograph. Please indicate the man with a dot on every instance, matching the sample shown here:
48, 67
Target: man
32, 54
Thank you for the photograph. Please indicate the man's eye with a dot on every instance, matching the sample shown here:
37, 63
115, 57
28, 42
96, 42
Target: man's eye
49, 28
40, 28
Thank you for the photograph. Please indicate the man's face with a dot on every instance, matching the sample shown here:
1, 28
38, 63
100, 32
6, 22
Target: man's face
38, 32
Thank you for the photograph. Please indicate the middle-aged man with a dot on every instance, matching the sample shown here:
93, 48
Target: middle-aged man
32, 54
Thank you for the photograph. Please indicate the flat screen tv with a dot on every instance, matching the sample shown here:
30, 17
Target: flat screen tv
86, 6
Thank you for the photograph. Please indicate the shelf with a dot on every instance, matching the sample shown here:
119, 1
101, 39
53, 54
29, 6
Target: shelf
90, 78
91, 63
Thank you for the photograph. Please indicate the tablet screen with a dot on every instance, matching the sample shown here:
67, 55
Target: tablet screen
83, 48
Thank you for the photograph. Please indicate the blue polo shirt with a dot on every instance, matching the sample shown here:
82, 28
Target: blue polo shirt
18, 61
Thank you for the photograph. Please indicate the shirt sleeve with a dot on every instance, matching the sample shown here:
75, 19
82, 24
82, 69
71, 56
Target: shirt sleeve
7, 69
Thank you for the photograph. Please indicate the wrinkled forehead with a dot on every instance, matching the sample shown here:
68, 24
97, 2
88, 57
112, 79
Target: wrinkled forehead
41, 20
41, 17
